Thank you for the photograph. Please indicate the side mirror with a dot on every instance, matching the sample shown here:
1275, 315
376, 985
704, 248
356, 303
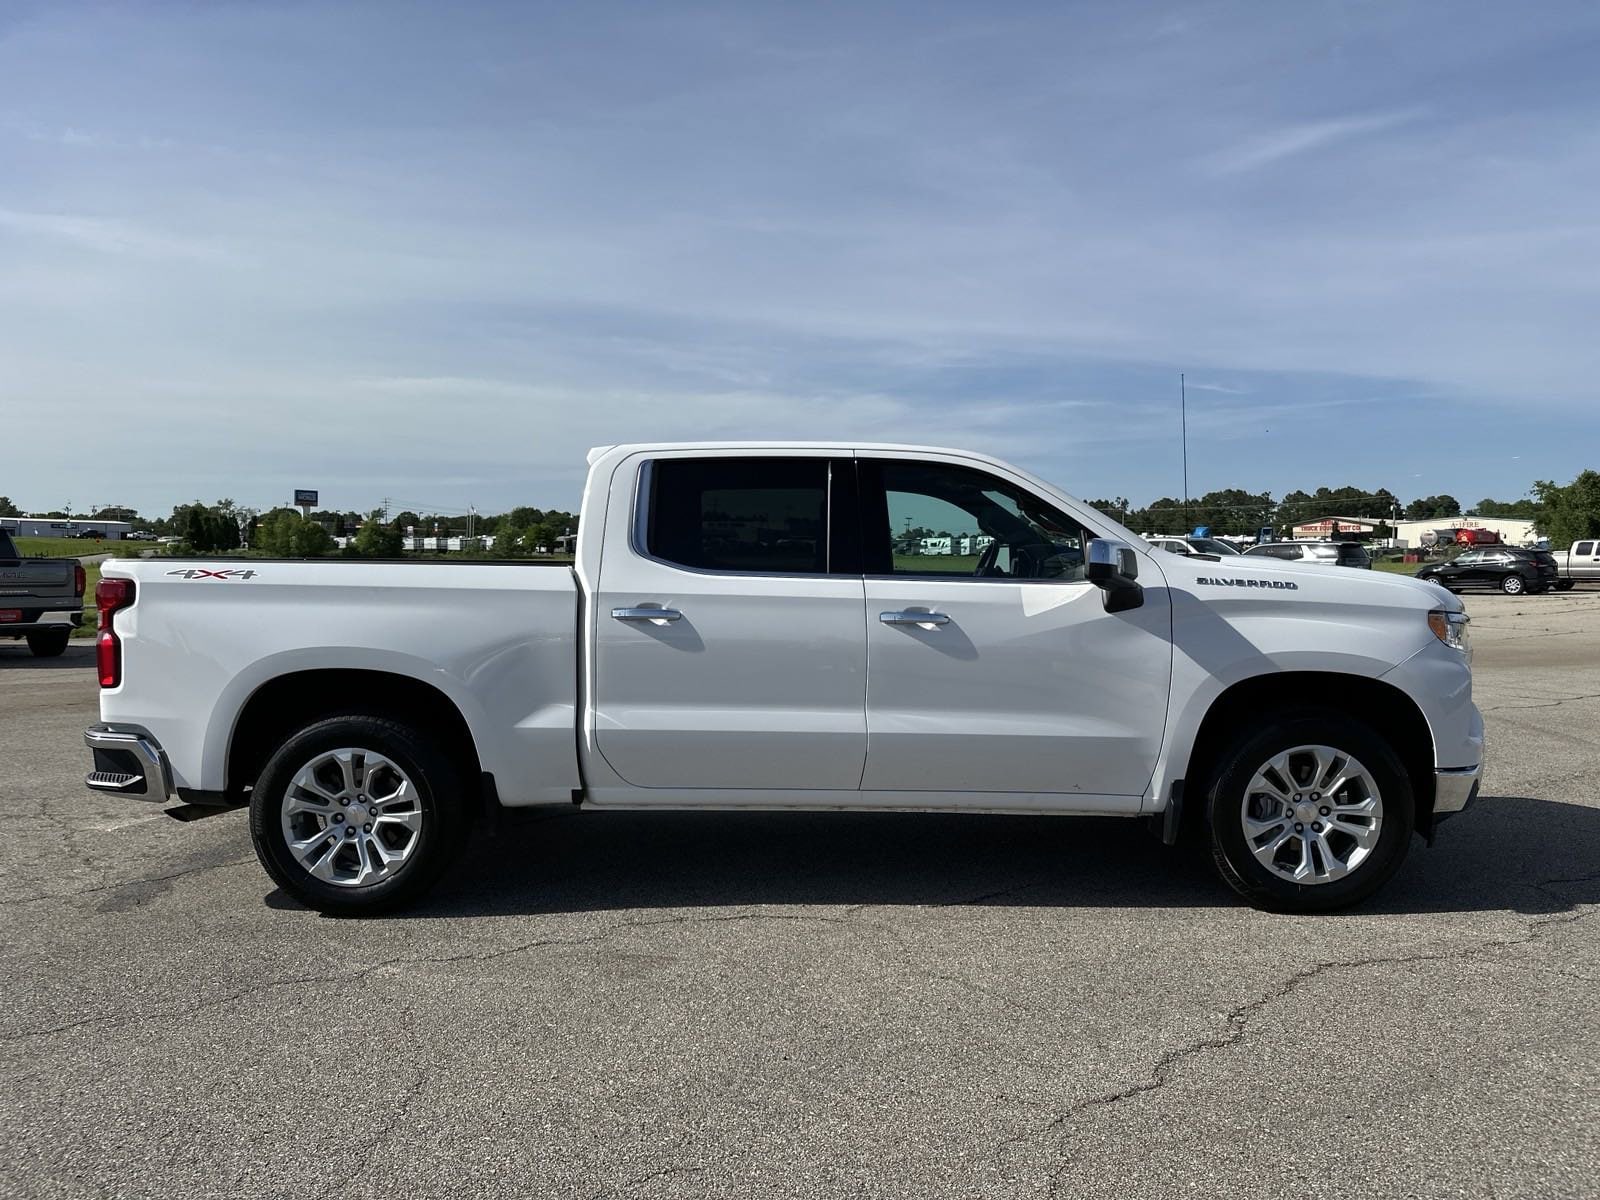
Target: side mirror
1114, 569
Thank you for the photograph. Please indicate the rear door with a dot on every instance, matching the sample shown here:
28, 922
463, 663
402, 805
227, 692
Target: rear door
753, 675
994, 666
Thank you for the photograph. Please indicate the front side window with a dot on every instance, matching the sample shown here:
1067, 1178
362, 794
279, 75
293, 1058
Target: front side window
1583, 548
944, 520
754, 515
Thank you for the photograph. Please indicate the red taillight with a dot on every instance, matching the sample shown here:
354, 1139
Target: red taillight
109, 596
80, 580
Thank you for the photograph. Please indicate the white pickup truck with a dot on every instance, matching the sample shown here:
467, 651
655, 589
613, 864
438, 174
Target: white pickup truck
756, 626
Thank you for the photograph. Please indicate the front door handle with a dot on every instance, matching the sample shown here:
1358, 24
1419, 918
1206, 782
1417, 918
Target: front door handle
646, 614
913, 618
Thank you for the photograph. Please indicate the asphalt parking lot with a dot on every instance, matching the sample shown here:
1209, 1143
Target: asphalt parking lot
809, 1005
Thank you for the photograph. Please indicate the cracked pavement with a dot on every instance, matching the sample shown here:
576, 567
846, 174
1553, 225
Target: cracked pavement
674, 1005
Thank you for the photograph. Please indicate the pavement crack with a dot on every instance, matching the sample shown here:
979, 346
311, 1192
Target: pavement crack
151, 881
640, 1180
1236, 1023
361, 973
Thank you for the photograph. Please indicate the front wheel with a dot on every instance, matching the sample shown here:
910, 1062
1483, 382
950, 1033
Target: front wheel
1513, 585
49, 643
356, 815
1310, 815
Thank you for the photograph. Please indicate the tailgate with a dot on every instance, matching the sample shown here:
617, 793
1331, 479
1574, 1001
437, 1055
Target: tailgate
51, 579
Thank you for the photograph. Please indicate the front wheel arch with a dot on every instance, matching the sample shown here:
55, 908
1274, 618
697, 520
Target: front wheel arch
1375, 703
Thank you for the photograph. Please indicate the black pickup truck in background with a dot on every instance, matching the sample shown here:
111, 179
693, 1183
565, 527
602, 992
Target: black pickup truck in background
41, 599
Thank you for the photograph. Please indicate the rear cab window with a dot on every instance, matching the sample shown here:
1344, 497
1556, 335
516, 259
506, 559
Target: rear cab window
765, 516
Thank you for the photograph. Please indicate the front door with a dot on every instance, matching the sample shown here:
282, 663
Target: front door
730, 649
993, 665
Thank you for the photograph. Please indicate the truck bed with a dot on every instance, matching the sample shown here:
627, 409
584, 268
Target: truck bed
204, 635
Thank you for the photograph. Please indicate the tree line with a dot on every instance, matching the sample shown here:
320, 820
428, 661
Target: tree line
1235, 510
285, 533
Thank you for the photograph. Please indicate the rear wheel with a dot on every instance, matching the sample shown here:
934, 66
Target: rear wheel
357, 815
1564, 585
1513, 585
49, 643
1311, 815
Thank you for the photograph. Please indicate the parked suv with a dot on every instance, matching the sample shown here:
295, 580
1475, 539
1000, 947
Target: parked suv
1327, 554
1509, 569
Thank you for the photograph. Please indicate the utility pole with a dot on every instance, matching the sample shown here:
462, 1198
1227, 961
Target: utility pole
1183, 415
386, 510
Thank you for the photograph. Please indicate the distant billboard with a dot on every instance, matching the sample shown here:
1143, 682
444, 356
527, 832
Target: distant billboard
305, 498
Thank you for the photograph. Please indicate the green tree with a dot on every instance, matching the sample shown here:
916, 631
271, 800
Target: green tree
1527, 508
284, 533
8, 509
1426, 508
508, 541
1569, 513
377, 540
198, 529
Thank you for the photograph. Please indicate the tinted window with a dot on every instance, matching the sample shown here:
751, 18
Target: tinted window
1583, 548
760, 515
938, 519
1288, 553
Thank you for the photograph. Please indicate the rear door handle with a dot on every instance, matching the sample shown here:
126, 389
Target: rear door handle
913, 618
646, 614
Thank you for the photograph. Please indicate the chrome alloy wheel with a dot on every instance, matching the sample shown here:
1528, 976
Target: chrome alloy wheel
1312, 814
351, 817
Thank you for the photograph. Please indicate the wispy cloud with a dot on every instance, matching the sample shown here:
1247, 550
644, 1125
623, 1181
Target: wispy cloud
110, 236
1279, 144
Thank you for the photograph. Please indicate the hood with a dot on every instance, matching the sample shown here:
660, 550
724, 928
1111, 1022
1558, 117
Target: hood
1242, 574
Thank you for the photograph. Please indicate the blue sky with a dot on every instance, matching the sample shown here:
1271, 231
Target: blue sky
434, 252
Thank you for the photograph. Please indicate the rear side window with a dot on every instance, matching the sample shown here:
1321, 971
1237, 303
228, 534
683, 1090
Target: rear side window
765, 516
1288, 553
1583, 548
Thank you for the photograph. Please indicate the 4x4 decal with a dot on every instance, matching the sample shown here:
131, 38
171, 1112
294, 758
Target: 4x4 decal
203, 573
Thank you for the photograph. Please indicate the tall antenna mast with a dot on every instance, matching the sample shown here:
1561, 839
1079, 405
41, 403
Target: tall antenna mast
1183, 415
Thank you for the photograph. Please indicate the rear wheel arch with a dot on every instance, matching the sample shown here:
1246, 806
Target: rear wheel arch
1389, 712
288, 703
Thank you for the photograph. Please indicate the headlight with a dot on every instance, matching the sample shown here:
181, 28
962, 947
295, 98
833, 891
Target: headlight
1450, 628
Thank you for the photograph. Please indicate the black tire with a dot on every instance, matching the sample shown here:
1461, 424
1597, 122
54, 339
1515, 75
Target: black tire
1225, 799
1564, 585
49, 643
1513, 585
441, 800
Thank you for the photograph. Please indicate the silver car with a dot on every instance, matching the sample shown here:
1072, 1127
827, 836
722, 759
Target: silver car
1327, 554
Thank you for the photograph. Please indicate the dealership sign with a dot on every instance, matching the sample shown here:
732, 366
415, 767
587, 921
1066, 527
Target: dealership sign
1332, 526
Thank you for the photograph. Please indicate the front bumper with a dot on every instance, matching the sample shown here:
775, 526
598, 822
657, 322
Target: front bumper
129, 761
1454, 790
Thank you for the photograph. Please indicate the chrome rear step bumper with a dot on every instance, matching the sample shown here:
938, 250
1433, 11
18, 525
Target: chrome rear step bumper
129, 761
